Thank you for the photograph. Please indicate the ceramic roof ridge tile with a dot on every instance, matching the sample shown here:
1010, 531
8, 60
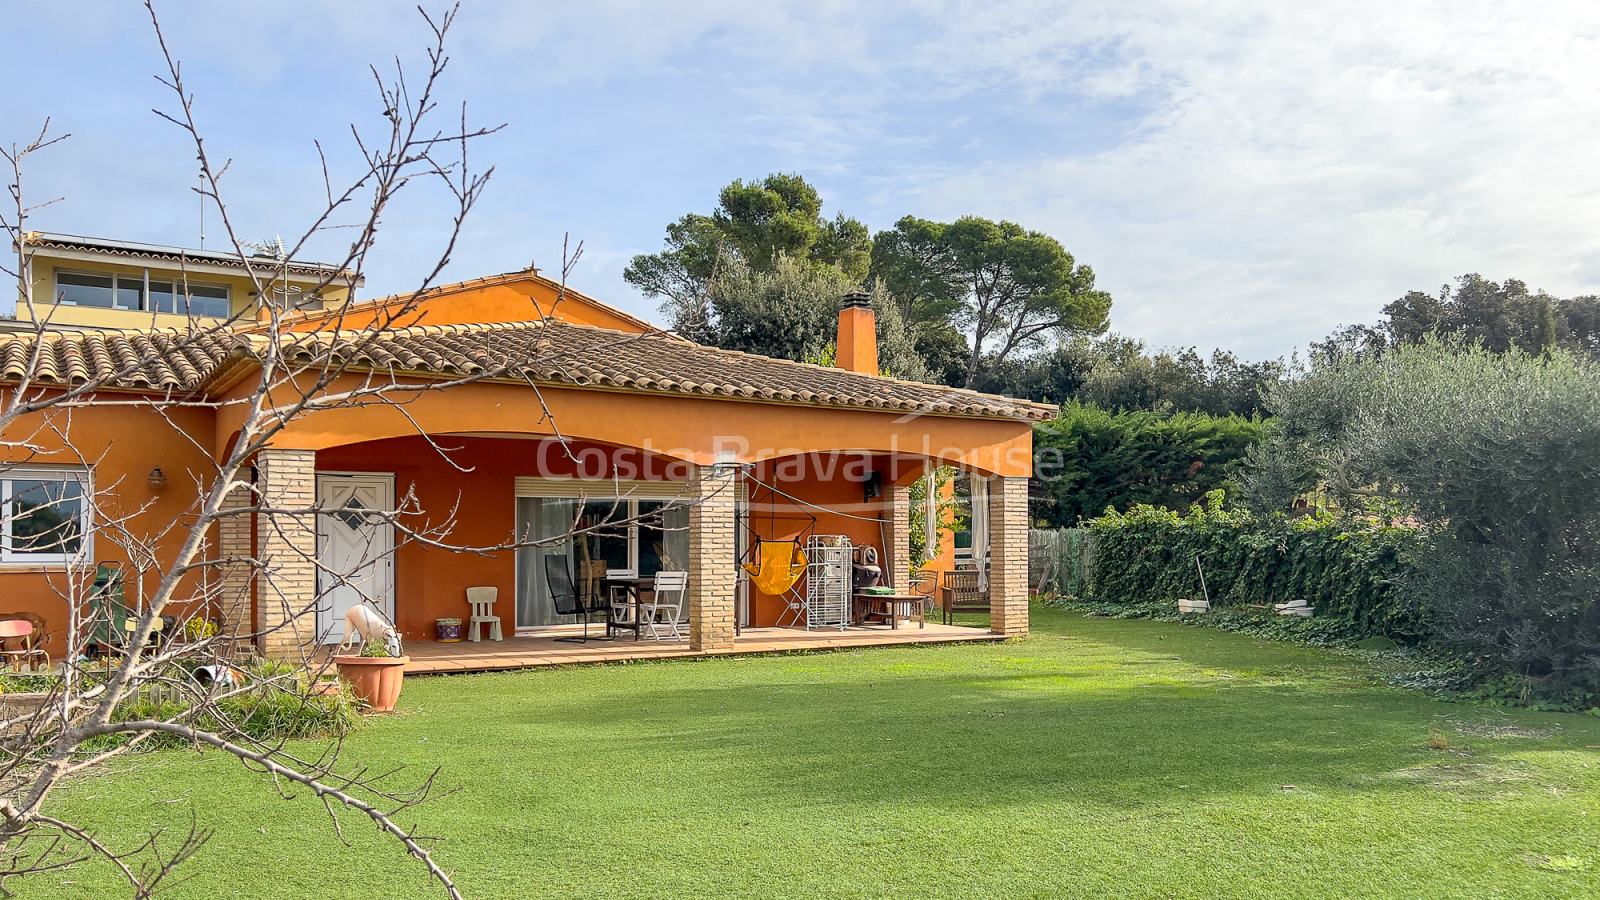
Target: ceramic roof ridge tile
831, 369
836, 383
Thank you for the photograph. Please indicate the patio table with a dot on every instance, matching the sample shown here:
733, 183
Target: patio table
635, 586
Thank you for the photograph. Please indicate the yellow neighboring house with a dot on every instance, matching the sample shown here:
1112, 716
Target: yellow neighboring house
92, 283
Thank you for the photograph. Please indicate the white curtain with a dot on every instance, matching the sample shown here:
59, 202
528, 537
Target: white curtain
652, 546
537, 518
980, 528
675, 546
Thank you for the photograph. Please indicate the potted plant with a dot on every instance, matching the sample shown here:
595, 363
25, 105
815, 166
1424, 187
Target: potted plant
375, 675
198, 628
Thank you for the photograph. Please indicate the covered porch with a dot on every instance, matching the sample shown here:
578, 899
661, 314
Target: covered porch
476, 487
530, 498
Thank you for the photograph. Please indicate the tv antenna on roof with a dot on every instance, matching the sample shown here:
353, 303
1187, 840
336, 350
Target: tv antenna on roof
272, 248
283, 296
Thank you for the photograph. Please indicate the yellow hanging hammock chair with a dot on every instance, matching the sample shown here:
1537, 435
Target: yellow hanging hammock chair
778, 565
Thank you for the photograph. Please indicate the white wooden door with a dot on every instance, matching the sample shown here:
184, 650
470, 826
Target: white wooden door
355, 550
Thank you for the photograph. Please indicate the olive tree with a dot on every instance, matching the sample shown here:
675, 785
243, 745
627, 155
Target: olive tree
1494, 454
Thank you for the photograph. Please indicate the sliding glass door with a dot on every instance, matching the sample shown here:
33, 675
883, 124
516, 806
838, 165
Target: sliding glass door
589, 538
663, 538
541, 518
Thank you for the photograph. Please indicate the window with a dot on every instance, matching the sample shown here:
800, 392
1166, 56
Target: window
86, 290
128, 292
162, 298
46, 515
203, 299
644, 535
208, 300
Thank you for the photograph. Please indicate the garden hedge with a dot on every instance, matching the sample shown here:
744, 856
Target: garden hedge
1350, 571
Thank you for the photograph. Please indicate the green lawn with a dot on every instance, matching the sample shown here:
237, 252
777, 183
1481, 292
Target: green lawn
1098, 758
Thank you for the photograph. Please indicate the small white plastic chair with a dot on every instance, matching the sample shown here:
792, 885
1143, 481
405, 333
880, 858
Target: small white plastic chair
482, 599
667, 603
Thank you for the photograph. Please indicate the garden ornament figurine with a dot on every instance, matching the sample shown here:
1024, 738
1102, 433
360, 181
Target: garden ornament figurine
370, 625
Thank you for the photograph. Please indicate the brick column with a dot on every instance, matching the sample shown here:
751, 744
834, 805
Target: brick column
1008, 556
898, 565
286, 591
713, 559
236, 547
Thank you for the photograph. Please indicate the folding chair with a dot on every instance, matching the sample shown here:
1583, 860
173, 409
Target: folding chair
925, 584
667, 603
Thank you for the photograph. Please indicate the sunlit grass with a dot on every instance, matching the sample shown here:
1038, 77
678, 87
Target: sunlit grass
1098, 758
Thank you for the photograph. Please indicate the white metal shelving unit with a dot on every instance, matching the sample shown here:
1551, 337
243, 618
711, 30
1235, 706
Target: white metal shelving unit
828, 584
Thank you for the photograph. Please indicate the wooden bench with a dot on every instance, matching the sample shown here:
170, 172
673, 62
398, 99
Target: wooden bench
962, 594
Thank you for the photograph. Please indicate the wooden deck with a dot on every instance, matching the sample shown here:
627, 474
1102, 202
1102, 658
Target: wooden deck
433, 658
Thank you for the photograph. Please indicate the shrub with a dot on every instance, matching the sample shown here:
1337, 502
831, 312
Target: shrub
28, 682
285, 715
1498, 451
1351, 571
199, 628
283, 709
1089, 459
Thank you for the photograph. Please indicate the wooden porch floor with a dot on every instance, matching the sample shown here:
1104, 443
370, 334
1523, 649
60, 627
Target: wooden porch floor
434, 658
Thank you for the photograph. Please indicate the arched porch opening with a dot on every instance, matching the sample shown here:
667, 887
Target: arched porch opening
467, 507
867, 498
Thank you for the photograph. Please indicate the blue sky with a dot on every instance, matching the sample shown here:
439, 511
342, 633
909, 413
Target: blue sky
1239, 174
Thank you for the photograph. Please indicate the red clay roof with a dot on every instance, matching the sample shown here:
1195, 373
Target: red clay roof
549, 352
583, 356
160, 360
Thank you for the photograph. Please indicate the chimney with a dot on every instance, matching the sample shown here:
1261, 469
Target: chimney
857, 347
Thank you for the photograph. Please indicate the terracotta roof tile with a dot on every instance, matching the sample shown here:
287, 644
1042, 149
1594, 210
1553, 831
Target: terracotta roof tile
489, 281
545, 352
563, 353
129, 359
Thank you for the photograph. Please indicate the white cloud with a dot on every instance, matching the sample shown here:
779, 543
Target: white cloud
1305, 163
1242, 174
1289, 167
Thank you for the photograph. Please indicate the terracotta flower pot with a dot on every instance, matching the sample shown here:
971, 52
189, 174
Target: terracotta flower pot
375, 679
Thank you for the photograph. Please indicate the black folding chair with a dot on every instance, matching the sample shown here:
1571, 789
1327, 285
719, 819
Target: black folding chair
568, 602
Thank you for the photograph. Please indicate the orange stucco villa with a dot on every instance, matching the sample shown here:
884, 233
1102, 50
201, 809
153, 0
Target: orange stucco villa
606, 418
